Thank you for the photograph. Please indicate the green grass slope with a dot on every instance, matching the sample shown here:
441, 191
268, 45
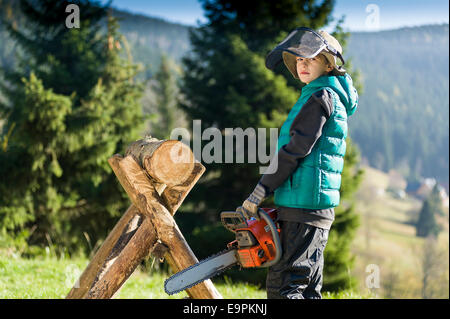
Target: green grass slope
386, 241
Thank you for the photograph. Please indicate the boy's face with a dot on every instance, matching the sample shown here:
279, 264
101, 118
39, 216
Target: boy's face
310, 69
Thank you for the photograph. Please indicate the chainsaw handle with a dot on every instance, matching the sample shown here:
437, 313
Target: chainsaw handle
233, 220
275, 236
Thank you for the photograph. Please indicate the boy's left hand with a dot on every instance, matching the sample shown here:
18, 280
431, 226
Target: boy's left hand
250, 206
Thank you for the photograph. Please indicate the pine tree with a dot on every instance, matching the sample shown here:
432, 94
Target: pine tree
161, 101
227, 86
426, 224
71, 106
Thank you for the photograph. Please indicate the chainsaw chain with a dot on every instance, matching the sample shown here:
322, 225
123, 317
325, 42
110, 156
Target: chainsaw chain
194, 265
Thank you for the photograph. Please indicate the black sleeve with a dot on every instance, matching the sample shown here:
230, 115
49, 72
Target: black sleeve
305, 131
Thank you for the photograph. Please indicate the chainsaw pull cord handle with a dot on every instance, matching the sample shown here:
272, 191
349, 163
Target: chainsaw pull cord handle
276, 239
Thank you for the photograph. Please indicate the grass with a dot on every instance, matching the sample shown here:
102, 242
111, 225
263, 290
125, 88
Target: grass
45, 278
351, 294
52, 278
387, 238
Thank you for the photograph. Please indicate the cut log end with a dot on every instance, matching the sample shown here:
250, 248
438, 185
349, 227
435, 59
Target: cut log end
169, 162
172, 164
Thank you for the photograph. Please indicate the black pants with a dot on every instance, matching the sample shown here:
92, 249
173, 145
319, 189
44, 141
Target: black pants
298, 275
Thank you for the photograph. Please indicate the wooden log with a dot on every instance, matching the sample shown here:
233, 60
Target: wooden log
145, 197
89, 275
125, 238
111, 247
113, 256
170, 165
168, 162
175, 195
120, 267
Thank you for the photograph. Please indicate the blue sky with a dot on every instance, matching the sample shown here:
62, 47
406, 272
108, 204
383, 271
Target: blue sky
361, 15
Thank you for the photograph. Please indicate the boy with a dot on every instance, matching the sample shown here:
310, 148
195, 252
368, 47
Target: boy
310, 158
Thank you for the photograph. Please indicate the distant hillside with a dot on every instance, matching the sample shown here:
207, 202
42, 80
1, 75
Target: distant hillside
402, 121
147, 37
150, 37
386, 240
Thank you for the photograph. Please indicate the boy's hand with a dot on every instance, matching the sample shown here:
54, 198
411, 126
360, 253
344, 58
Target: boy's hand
250, 206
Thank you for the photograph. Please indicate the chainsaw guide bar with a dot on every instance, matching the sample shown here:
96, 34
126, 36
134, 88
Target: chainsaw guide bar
201, 271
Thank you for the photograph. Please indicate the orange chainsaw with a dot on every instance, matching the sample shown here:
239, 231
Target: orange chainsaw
257, 245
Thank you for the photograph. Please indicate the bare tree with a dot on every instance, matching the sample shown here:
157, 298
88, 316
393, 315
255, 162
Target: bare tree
434, 269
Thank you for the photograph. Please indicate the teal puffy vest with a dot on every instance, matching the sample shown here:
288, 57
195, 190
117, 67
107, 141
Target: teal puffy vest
316, 182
